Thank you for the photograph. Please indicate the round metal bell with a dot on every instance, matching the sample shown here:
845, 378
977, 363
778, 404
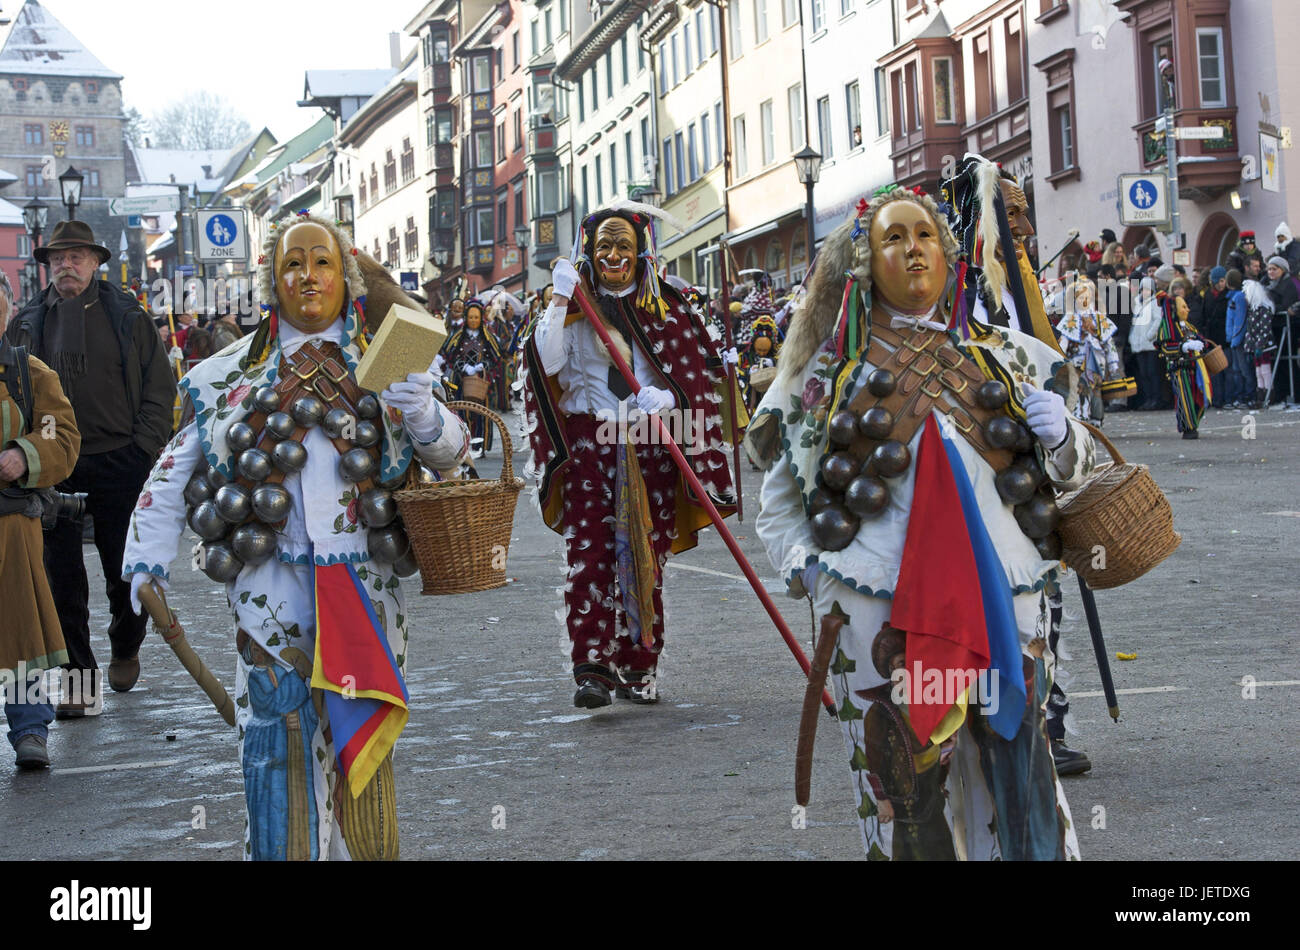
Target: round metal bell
289, 456
834, 528
891, 459
266, 399
881, 383
207, 523
991, 395
866, 496
821, 499
255, 465
281, 425
271, 503
214, 477
377, 508
233, 503
307, 411
838, 469
368, 407
241, 437
406, 565
335, 421
197, 490
387, 545
356, 464
1024, 439
1037, 517
1049, 548
219, 562
1001, 432
876, 423
1015, 485
842, 428
367, 434
253, 543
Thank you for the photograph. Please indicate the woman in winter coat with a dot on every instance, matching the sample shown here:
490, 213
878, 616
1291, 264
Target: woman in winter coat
1142, 343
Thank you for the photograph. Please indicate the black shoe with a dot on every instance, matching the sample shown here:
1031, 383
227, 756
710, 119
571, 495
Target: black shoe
639, 688
1068, 761
1191, 434
591, 694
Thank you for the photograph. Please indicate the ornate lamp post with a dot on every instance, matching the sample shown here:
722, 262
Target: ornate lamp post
36, 215
808, 163
522, 234
70, 187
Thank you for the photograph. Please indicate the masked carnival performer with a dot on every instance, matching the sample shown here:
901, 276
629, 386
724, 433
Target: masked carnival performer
473, 351
761, 354
606, 484
285, 474
1181, 345
1087, 337
907, 488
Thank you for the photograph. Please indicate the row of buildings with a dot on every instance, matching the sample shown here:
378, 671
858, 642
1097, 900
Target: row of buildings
471, 159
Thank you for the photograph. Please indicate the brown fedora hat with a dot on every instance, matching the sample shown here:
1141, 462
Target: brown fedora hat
71, 234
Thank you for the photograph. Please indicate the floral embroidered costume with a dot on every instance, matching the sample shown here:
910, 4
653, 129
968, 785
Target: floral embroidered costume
907, 466
284, 472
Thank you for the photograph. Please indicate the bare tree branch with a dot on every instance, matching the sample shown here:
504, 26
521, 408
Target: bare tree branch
201, 120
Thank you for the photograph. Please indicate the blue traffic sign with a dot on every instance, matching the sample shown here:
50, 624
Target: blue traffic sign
222, 230
1143, 193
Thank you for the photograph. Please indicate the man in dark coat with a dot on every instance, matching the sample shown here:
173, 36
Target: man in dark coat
114, 370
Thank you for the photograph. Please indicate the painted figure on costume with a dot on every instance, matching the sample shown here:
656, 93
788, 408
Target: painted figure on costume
1087, 338
910, 484
605, 484
285, 474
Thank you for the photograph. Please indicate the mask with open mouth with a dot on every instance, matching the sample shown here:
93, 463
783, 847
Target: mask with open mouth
615, 254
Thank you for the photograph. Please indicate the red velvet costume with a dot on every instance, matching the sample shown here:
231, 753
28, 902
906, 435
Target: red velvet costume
578, 484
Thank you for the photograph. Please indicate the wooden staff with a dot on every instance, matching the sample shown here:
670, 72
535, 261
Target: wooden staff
164, 619
734, 393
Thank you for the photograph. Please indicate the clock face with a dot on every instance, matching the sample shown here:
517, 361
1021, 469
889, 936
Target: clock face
59, 130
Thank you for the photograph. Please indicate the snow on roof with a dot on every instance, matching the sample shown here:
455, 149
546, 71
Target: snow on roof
10, 213
338, 83
160, 164
39, 43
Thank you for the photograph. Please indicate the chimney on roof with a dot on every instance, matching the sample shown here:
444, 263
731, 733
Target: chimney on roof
395, 49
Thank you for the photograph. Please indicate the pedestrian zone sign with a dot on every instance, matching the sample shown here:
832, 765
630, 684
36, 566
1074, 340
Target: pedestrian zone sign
1144, 199
222, 235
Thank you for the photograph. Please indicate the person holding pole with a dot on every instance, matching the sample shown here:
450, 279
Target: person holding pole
607, 482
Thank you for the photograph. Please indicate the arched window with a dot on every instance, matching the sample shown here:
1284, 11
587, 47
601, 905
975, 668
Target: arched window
798, 257
751, 258
774, 262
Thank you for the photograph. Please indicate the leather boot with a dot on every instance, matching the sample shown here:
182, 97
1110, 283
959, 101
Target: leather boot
1068, 761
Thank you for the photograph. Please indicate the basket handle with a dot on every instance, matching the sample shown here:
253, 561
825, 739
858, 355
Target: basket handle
1098, 434
507, 446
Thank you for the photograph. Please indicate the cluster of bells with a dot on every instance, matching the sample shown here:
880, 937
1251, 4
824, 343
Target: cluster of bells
219, 510
852, 490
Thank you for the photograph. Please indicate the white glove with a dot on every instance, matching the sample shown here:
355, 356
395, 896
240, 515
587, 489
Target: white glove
473, 369
176, 354
730, 357
652, 399
564, 277
138, 580
414, 397
1045, 413
1193, 346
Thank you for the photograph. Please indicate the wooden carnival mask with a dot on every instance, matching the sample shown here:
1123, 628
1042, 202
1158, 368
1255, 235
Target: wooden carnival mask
615, 254
762, 345
908, 269
473, 318
309, 284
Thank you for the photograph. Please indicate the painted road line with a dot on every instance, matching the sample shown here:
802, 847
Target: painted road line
1131, 691
122, 767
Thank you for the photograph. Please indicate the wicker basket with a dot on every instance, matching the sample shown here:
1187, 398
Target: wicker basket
760, 379
475, 389
1216, 361
1122, 510
1119, 388
460, 530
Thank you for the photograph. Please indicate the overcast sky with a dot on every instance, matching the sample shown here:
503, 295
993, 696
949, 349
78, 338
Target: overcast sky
253, 52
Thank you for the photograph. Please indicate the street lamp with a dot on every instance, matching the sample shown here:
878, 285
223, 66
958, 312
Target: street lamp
70, 187
651, 195
36, 214
522, 233
808, 163
343, 212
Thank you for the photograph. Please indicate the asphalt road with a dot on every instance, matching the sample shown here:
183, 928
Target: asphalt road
497, 763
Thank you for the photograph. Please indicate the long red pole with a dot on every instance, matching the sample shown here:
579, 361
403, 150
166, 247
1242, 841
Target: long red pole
666, 439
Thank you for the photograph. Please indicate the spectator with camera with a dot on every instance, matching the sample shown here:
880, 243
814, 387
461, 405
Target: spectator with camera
114, 370
38, 447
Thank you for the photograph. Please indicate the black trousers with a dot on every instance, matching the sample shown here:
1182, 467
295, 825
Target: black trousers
112, 483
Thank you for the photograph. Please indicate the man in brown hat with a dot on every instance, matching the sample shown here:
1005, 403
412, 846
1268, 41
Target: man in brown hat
113, 368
